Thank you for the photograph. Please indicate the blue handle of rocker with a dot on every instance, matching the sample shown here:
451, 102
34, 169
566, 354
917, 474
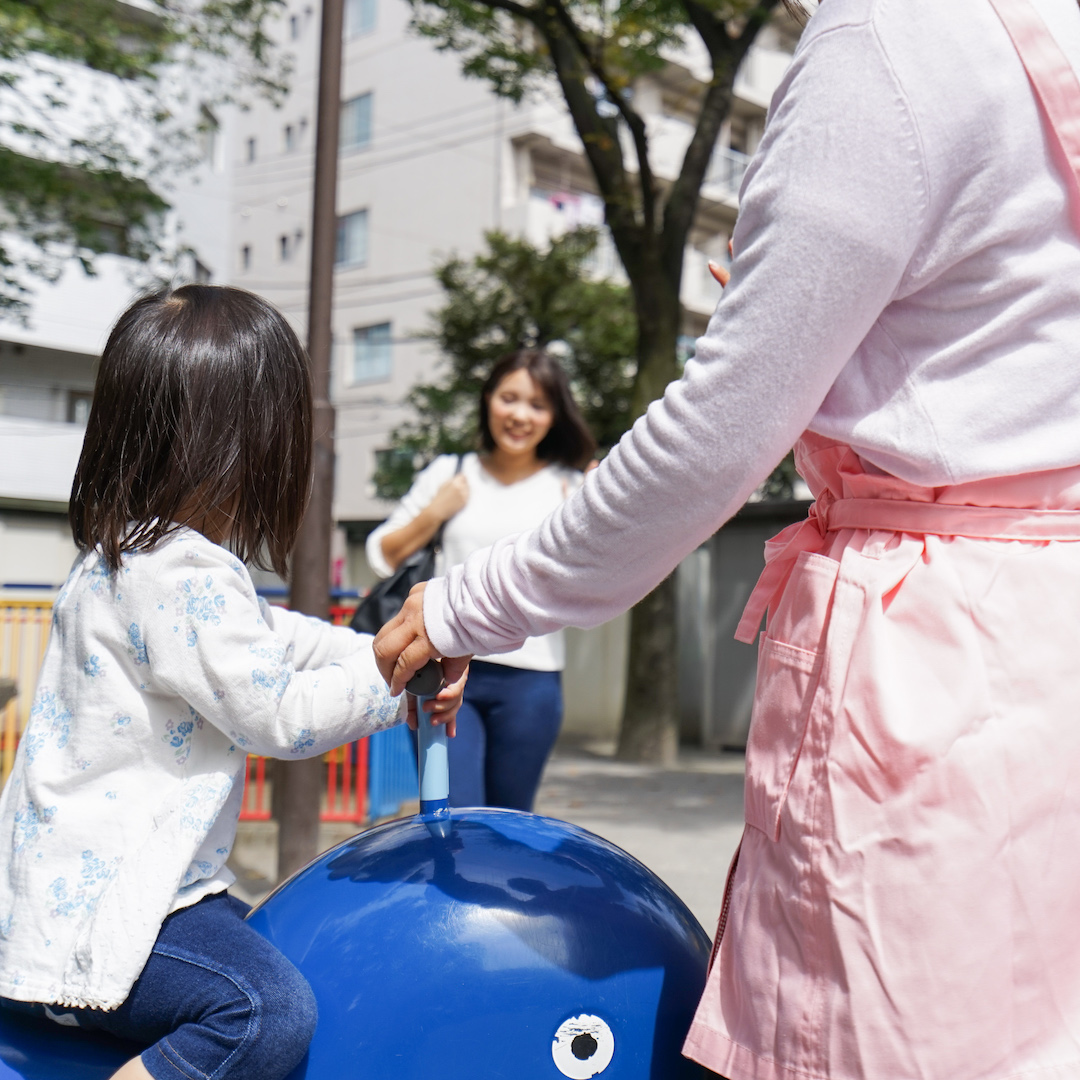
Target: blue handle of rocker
431, 745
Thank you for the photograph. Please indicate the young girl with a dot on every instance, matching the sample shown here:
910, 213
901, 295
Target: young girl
533, 443
164, 669
904, 903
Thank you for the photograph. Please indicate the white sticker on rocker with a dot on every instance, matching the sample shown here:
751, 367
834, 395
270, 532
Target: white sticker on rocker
582, 1047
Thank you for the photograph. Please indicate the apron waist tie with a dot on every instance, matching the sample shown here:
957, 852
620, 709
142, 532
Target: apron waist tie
893, 515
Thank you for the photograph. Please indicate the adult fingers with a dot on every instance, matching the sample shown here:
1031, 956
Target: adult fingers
720, 273
409, 661
399, 633
455, 672
389, 643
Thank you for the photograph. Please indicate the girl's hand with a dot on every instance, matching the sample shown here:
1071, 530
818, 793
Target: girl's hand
402, 648
443, 706
450, 498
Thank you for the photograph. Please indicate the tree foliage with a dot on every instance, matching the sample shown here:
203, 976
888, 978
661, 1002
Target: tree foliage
598, 52
511, 296
101, 103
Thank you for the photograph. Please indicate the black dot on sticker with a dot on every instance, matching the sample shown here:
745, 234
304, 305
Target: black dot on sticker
583, 1047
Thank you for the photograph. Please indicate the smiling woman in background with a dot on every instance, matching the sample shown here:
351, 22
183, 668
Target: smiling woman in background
533, 443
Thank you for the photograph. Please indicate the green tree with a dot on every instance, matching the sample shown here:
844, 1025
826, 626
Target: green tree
101, 102
596, 51
508, 297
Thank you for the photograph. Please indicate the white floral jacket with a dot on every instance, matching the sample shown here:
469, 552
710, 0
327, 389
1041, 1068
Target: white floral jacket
123, 802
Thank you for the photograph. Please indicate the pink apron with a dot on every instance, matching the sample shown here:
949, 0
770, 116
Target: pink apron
905, 903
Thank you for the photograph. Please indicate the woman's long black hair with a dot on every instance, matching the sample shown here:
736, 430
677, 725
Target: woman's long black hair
569, 442
202, 405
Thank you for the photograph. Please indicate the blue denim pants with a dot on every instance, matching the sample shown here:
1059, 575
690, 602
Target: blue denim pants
216, 999
506, 728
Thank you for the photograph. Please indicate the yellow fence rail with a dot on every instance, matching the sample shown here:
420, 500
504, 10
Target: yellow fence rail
24, 633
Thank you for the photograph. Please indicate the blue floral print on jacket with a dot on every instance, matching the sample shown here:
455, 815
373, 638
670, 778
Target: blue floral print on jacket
149, 698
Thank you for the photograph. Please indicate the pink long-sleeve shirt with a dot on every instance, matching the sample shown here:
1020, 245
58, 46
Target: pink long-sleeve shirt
906, 280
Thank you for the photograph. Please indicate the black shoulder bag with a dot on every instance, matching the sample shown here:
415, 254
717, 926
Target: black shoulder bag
387, 598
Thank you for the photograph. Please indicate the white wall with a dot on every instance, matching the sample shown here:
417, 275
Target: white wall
34, 548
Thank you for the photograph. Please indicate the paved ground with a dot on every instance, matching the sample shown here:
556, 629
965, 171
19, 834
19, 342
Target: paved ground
683, 822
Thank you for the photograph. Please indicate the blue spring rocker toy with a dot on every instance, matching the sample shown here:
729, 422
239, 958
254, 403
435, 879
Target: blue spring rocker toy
476, 944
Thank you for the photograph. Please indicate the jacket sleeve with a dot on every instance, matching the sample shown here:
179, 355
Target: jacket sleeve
207, 641
833, 209
311, 642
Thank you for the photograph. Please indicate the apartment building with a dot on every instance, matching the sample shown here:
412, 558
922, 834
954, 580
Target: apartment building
48, 366
429, 161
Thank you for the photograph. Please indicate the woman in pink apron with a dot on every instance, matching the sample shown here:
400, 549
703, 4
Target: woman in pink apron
905, 904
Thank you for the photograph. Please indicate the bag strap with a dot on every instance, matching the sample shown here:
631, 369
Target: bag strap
435, 543
1055, 84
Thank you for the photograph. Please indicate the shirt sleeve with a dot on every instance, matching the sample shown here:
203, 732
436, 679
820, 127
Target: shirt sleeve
833, 209
312, 642
425, 487
207, 641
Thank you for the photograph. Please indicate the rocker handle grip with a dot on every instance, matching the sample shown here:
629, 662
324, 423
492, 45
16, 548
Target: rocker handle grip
431, 745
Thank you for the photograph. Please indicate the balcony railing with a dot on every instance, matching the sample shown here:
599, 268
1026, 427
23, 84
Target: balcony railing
726, 170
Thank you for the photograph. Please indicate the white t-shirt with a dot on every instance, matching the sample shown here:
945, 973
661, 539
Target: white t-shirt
494, 510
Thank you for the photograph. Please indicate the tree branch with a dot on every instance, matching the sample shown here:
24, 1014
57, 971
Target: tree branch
531, 15
710, 29
632, 119
726, 53
600, 139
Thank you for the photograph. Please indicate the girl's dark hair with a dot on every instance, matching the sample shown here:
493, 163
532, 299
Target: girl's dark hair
202, 405
569, 442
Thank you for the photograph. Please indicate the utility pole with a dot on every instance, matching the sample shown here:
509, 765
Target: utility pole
299, 783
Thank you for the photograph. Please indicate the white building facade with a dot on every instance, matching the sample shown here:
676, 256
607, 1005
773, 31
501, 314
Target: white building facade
48, 365
429, 161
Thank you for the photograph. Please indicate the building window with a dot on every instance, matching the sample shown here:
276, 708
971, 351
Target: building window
352, 239
203, 273
373, 359
290, 138
251, 149
284, 247
78, 406
356, 123
359, 17
294, 27
245, 257
209, 134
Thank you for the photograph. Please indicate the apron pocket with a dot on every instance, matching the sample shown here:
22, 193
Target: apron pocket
787, 677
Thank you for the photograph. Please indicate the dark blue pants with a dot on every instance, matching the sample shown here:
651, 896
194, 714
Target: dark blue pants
505, 731
216, 999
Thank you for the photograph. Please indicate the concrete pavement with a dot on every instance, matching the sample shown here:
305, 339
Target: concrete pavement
683, 822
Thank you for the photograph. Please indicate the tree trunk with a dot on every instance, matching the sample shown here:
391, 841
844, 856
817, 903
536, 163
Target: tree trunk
650, 721
297, 795
298, 784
